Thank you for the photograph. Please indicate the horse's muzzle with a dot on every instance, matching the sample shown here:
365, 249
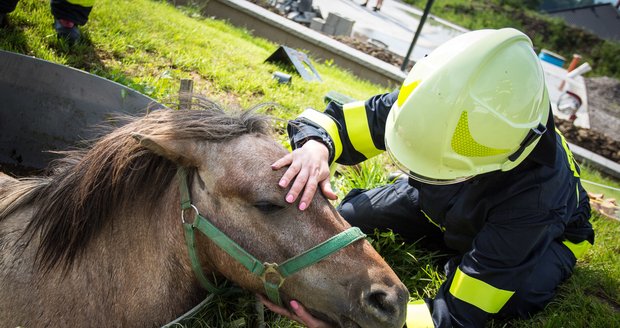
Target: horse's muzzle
384, 306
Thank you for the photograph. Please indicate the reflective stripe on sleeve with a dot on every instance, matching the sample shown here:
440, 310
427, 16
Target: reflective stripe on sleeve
83, 3
326, 122
358, 129
478, 293
419, 315
569, 154
578, 249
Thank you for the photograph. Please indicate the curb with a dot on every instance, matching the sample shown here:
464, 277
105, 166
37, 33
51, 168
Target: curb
596, 161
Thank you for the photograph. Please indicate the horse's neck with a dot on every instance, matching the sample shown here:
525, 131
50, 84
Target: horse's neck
140, 262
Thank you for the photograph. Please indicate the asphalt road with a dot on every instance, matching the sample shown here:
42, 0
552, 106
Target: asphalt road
394, 25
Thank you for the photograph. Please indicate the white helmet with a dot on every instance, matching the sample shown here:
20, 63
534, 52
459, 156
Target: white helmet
476, 104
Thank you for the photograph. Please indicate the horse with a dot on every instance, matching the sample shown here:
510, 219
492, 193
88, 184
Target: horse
98, 241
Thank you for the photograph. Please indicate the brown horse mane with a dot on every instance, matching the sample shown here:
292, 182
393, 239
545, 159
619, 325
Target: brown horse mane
87, 186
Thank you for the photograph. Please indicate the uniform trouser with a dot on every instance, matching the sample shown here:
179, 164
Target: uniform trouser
76, 11
395, 206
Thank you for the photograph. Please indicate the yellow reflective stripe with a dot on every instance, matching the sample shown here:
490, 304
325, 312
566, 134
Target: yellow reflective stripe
569, 154
478, 293
577, 189
358, 129
419, 315
83, 3
326, 122
578, 249
405, 91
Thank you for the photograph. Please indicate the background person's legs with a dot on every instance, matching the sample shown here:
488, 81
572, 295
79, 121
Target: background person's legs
378, 5
68, 14
76, 11
6, 6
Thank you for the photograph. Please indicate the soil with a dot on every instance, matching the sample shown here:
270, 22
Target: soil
373, 50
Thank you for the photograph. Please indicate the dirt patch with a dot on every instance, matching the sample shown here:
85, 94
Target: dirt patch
590, 139
373, 50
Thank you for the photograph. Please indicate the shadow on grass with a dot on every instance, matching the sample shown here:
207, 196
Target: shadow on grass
17, 37
13, 39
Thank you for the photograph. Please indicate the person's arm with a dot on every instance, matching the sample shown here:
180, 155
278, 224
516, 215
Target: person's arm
350, 134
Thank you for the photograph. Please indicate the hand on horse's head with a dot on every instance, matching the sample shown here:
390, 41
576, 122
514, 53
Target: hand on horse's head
308, 167
299, 314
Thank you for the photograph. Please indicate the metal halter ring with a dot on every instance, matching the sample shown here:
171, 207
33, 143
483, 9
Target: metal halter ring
271, 270
183, 212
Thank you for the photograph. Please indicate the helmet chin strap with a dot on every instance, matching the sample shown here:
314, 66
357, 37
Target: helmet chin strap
531, 136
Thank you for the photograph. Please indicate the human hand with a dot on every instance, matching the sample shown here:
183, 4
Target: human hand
300, 314
309, 168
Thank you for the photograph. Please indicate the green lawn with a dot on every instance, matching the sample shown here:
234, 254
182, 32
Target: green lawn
150, 46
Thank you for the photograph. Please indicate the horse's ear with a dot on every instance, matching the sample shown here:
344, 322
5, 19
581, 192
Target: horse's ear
178, 151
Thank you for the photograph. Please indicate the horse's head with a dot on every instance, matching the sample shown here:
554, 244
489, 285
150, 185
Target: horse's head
232, 184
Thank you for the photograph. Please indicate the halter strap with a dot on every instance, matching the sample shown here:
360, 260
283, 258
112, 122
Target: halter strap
272, 274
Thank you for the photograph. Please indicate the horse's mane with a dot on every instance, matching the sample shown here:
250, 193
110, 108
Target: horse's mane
86, 186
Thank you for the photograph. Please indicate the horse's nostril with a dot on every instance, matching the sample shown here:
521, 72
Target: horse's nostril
386, 305
379, 300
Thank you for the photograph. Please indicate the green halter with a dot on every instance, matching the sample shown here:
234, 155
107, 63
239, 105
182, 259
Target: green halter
272, 274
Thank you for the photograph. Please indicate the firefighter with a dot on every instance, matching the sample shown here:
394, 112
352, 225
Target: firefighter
489, 176
68, 15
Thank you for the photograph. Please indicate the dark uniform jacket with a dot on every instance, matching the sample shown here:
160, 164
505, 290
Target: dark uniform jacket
501, 222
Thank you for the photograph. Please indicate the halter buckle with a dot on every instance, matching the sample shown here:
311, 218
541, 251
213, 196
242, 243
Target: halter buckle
192, 207
271, 275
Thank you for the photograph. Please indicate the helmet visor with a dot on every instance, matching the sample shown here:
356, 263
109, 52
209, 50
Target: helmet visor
421, 178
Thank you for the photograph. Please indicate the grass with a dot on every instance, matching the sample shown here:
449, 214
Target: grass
150, 46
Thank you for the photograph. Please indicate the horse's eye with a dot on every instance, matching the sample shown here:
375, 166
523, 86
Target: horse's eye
267, 206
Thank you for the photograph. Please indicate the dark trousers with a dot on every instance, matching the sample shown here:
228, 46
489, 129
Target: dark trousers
395, 206
61, 9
